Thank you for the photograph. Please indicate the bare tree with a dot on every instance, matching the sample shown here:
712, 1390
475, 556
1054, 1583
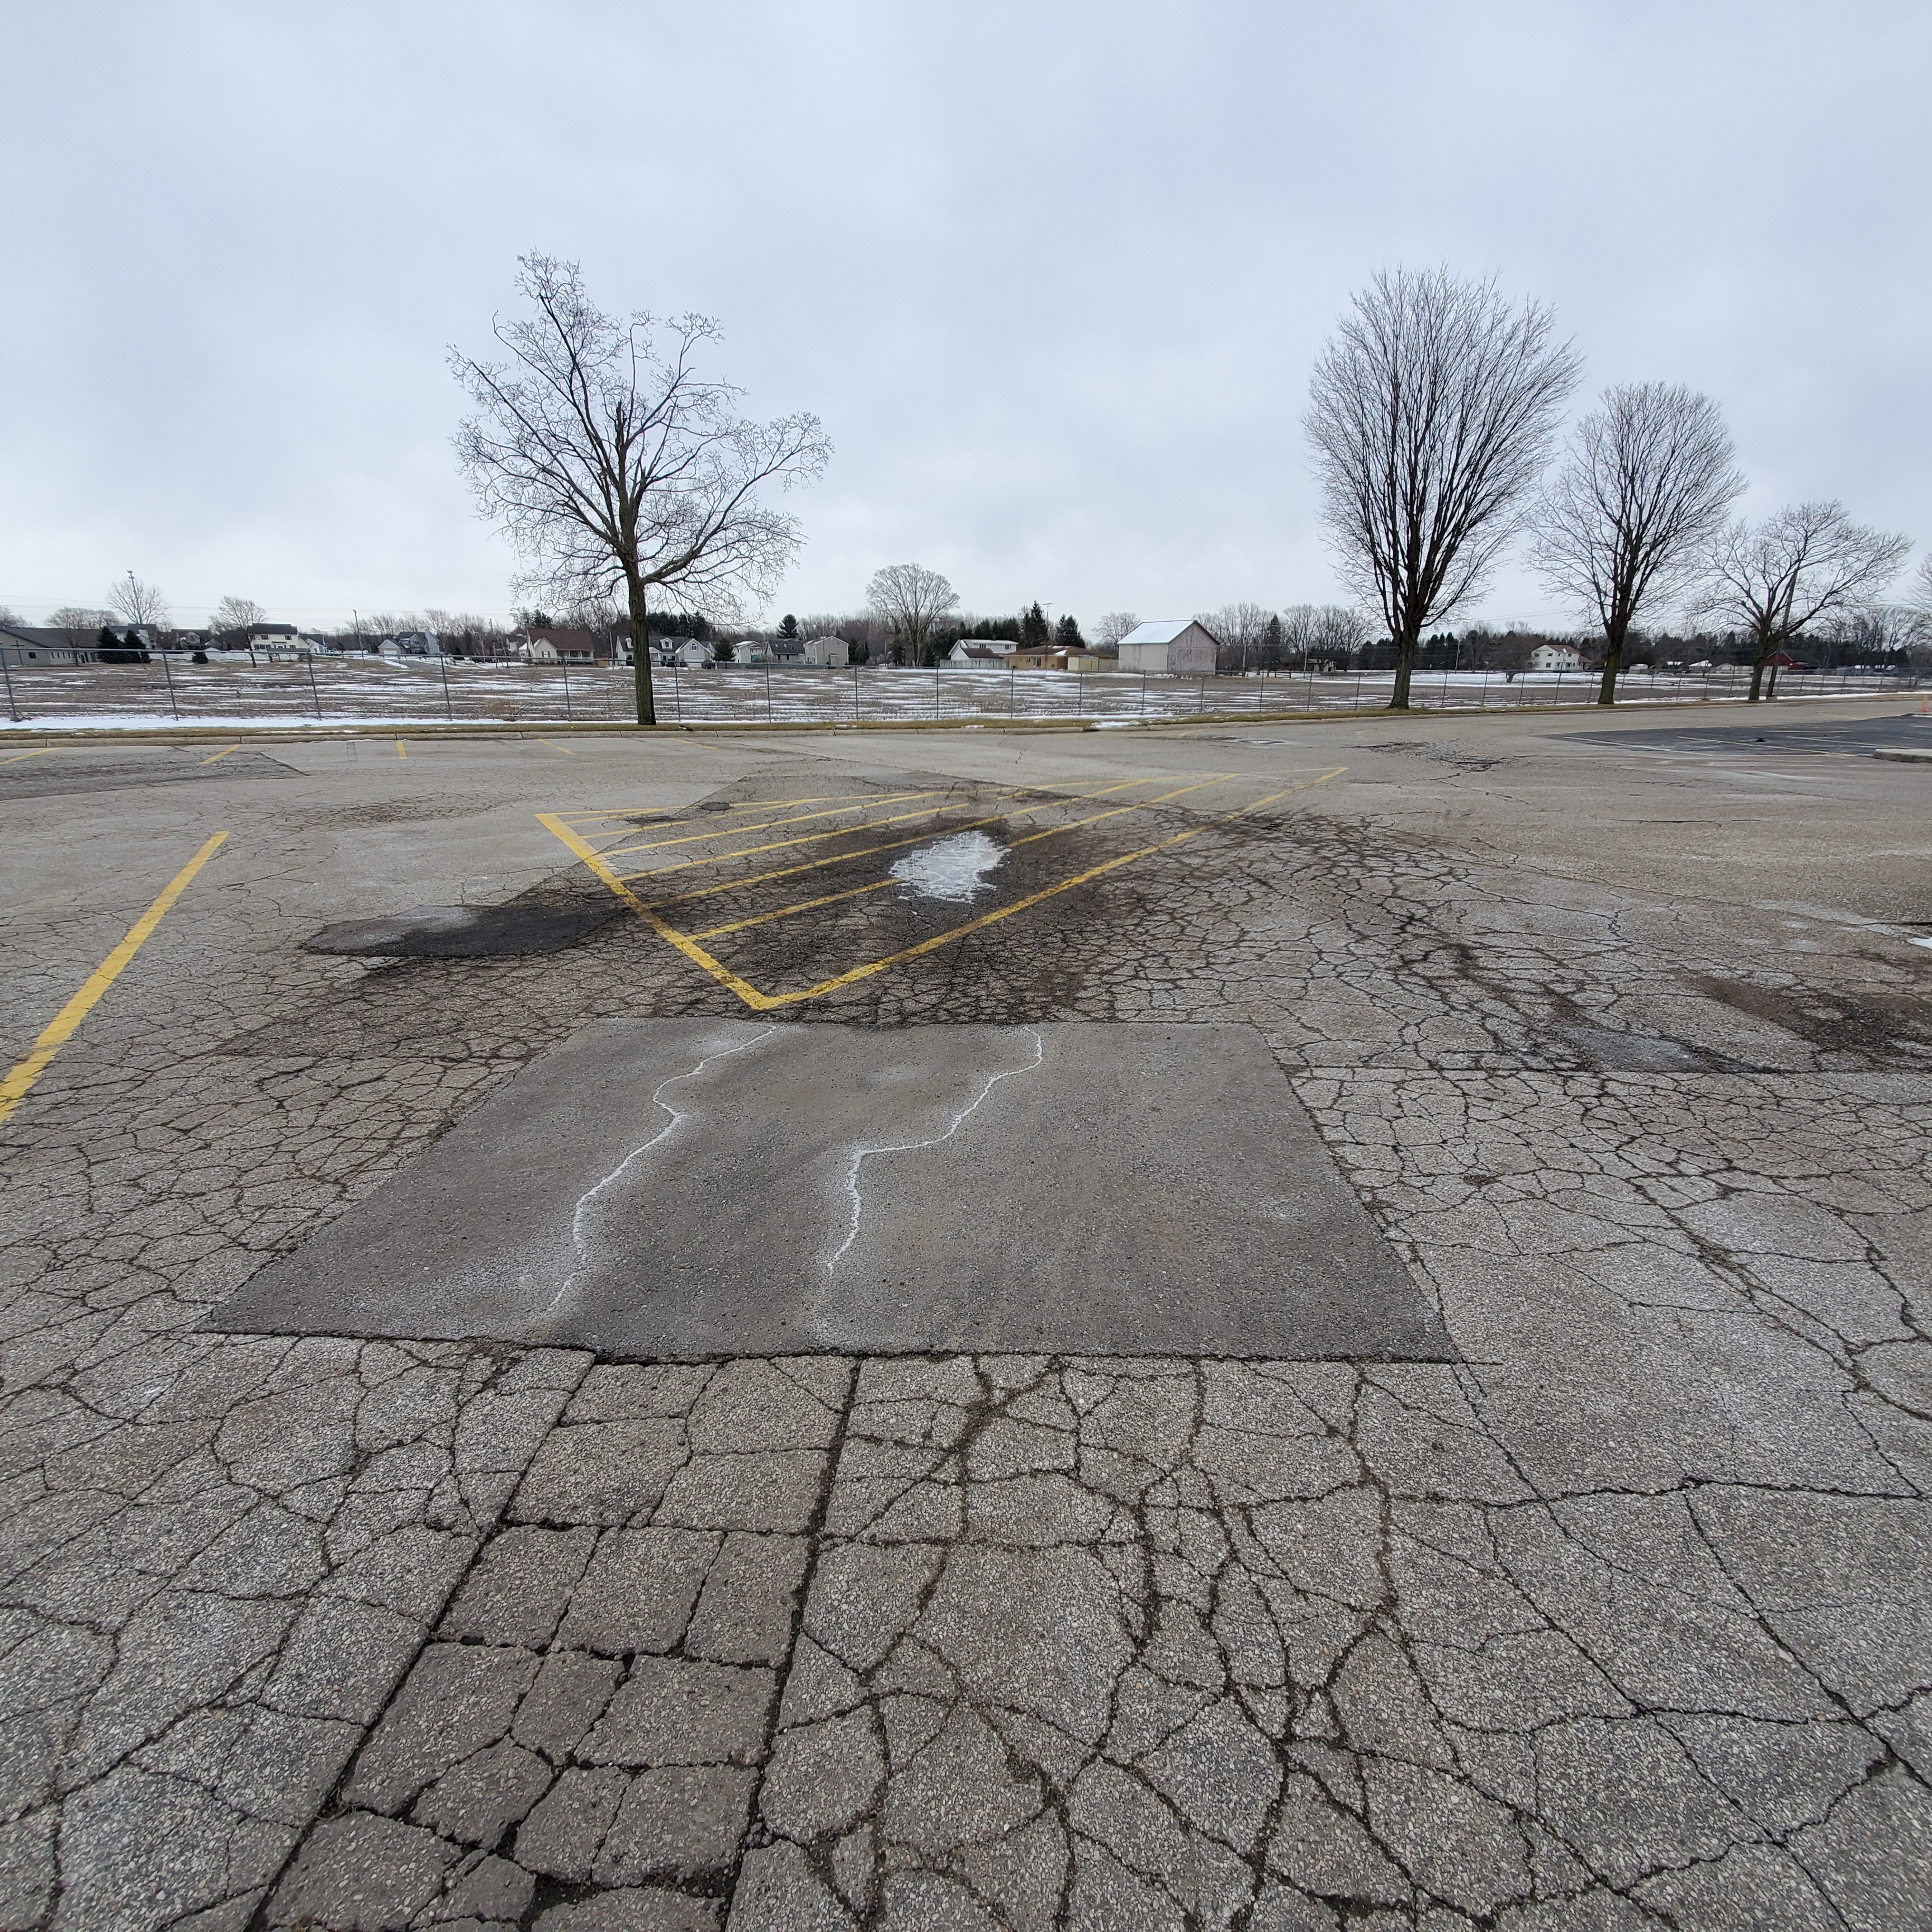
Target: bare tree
1648, 480
237, 617
140, 604
79, 625
614, 466
911, 600
1805, 565
1330, 633
1240, 628
1431, 412
1113, 627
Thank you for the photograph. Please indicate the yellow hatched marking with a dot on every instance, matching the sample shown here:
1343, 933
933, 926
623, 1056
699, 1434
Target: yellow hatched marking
19, 755
769, 825
15, 1087
760, 1002
219, 755
785, 844
893, 844
832, 899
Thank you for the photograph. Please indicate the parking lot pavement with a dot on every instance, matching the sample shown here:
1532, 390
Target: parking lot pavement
1617, 1615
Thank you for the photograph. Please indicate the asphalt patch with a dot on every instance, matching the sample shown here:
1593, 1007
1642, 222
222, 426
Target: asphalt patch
682, 1189
63, 773
1853, 736
534, 922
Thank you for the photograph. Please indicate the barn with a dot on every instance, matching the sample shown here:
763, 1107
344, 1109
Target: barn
1181, 647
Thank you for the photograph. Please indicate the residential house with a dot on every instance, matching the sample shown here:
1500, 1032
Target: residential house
1556, 657
1041, 657
979, 653
572, 646
834, 652
1171, 647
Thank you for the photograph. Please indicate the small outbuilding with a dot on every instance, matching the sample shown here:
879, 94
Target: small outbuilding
1179, 647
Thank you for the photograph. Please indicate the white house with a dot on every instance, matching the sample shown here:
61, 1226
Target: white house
1556, 657
835, 652
1179, 647
980, 653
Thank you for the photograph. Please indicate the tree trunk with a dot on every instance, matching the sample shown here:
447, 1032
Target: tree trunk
1405, 663
640, 654
1613, 661
1757, 669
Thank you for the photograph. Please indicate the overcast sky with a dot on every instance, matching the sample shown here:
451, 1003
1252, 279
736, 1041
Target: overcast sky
1053, 275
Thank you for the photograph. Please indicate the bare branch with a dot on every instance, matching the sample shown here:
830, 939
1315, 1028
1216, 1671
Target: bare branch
1649, 478
911, 600
614, 467
1431, 414
1805, 565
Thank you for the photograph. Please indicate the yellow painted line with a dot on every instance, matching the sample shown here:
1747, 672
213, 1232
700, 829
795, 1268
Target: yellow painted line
939, 939
858, 892
893, 844
564, 749
14, 1088
722, 973
784, 845
803, 905
771, 824
401, 752
758, 1002
19, 755
219, 755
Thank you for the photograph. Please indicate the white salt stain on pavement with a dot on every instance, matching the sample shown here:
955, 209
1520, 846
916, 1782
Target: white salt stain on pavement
954, 869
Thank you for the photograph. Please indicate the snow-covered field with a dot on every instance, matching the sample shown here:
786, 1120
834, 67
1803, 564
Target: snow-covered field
292, 693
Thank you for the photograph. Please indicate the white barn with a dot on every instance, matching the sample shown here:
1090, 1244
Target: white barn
1172, 646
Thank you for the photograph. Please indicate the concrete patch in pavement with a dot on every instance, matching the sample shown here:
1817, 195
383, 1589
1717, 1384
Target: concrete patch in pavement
685, 1189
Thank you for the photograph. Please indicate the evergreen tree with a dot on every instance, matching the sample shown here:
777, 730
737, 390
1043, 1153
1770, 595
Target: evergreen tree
1066, 635
1034, 633
787, 626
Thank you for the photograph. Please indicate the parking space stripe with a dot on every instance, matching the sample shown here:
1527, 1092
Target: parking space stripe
219, 755
564, 749
762, 1002
893, 844
770, 824
15, 1087
19, 755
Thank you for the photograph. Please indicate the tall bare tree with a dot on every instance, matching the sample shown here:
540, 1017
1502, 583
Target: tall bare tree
1431, 414
1805, 565
1240, 628
911, 600
138, 604
79, 625
237, 617
1113, 626
1648, 480
615, 467
1332, 633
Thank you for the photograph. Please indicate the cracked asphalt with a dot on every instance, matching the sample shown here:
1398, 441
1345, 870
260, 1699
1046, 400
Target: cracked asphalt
1622, 1619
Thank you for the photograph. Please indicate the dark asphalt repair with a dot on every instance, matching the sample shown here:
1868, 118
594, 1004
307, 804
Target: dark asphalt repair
546, 919
689, 1188
1852, 737
61, 771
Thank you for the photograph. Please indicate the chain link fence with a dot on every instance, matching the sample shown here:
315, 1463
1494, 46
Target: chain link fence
298, 691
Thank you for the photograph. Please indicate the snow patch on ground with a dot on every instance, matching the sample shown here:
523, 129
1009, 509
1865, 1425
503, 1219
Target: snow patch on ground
954, 869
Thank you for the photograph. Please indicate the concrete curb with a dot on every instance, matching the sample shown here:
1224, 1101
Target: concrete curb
1906, 758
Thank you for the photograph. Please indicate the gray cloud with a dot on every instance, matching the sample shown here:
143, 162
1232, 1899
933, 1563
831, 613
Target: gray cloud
1053, 277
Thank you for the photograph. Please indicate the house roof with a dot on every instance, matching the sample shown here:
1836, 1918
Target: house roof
974, 649
1163, 631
